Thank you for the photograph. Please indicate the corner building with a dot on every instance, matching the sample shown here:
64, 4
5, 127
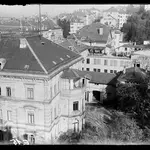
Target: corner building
39, 97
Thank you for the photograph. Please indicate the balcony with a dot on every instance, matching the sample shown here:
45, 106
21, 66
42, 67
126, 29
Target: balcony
75, 92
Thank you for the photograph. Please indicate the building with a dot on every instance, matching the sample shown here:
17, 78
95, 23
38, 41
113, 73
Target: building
123, 16
39, 97
75, 26
95, 34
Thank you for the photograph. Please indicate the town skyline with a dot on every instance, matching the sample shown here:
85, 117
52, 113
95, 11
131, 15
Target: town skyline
51, 9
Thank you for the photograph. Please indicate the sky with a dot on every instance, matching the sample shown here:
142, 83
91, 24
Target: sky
52, 10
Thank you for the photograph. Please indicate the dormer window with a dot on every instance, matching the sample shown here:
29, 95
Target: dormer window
23, 43
26, 67
70, 47
2, 63
100, 31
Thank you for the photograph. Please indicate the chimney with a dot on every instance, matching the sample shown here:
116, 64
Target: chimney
23, 43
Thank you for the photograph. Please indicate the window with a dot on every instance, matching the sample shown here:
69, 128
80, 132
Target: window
87, 60
82, 68
75, 105
111, 71
1, 114
51, 93
99, 70
115, 62
55, 90
31, 117
30, 94
55, 115
105, 62
51, 115
9, 115
87, 69
8, 90
121, 63
111, 62
105, 70
94, 69
138, 65
115, 71
125, 49
97, 61
0, 90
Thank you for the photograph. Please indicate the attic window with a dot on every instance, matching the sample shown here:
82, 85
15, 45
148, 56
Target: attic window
68, 56
61, 59
70, 47
54, 62
26, 67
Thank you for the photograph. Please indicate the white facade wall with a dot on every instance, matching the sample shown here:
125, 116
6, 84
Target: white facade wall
118, 65
49, 108
74, 27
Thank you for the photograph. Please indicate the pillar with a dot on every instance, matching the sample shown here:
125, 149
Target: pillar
101, 97
90, 96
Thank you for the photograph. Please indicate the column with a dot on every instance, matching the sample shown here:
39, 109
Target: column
90, 96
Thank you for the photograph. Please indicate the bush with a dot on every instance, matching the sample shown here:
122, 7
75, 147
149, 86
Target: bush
124, 129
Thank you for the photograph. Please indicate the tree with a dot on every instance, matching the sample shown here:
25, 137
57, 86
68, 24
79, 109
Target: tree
133, 99
65, 25
136, 29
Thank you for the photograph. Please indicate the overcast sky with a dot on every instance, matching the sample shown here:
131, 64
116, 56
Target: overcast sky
52, 10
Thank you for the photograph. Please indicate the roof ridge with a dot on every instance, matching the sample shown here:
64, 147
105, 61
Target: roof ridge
36, 57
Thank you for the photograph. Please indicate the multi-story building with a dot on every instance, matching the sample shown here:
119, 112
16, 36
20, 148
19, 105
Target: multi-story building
75, 26
39, 97
123, 16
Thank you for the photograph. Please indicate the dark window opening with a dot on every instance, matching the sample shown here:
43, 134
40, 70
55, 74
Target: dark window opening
75, 106
8, 90
88, 61
111, 71
87, 69
99, 70
105, 70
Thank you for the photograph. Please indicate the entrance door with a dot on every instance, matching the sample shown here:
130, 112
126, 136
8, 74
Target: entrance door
32, 139
76, 127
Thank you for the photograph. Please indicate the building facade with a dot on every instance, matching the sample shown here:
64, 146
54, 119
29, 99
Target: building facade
36, 101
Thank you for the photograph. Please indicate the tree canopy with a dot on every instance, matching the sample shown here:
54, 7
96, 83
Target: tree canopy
65, 25
137, 27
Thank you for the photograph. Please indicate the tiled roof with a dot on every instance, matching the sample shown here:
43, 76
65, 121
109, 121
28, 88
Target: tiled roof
134, 73
69, 74
95, 77
91, 34
17, 58
51, 55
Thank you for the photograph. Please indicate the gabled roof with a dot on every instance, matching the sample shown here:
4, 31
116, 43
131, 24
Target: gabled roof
91, 34
38, 54
111, 9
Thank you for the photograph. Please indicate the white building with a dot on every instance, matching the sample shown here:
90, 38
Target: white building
122, 19
75, 26
39, 98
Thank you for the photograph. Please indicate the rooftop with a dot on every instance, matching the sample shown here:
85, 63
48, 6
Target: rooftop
91, 34
134, 73
95, 77
50, 55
